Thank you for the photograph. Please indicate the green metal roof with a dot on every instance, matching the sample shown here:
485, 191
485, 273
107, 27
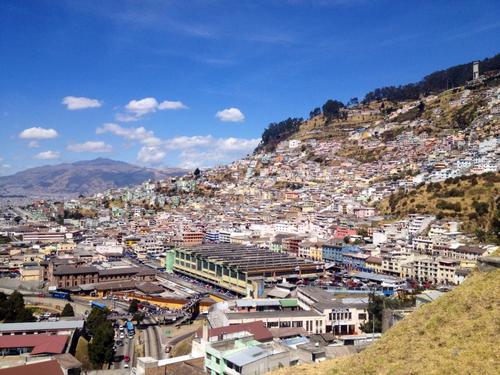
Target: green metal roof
289, 302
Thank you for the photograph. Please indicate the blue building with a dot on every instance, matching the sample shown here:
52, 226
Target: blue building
335, 253
212, 237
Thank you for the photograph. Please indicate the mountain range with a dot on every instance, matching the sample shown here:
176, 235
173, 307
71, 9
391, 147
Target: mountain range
81, 177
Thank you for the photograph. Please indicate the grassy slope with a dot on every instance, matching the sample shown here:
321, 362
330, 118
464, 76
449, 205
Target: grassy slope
424, 201
457, 334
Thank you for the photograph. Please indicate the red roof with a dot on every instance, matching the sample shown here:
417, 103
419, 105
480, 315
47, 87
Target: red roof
41, 344
41, 368
257, 329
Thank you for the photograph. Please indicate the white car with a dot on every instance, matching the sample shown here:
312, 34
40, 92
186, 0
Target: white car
125, 365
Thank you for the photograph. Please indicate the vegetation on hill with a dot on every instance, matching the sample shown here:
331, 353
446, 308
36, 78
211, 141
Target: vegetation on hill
442, 116
456, 334
13, 310
474, 200
68, 310
277, 132
100, 348
433, 83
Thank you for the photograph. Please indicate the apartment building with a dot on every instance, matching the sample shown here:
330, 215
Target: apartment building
343, 316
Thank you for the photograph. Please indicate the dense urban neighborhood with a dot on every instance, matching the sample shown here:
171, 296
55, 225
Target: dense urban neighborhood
334, 230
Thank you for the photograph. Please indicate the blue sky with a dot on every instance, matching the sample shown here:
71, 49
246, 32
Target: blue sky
194, 83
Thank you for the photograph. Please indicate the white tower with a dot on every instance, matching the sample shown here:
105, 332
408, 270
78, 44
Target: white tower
475, 70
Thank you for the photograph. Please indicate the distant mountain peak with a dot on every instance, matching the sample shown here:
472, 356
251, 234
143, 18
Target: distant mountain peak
81, 177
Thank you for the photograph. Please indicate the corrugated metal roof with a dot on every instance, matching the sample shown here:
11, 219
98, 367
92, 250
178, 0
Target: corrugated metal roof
246, 356
41, 344
41, 326
290, 302
46, 367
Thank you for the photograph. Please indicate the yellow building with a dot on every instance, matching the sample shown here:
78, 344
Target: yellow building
316, 253
32, 273
374, 263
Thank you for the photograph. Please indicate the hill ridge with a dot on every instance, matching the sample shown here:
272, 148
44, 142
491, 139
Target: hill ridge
456, 334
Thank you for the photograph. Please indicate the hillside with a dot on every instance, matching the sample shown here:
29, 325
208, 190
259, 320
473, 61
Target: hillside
429, 107
457, 334
433, 83
82, 177
474, 200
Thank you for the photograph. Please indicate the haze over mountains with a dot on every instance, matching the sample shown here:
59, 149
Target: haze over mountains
81, 177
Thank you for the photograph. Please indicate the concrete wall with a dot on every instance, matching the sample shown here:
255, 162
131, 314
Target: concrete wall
267, 364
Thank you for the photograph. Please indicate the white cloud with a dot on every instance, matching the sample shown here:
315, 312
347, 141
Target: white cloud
142, 106
125, 117
207, 151
199, 150
90, 146
171, 105
38, 133
183, 142
138, 108
230, 115
151, 155
237, 144
47, 155
134, 134
79, 102
33, 144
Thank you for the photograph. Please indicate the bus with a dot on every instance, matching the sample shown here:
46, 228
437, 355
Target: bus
98, 305
130, 329
61, 295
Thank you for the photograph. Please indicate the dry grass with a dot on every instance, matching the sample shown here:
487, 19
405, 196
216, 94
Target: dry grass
424, 201
457, 334
82, 353
183, 347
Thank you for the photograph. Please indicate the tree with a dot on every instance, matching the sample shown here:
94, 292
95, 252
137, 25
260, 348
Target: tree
480, 235
315, 112
363, 232
15, 311
277, 132
138, 317
134, 306
353, 102
101, 346
435, 82
95, 319
332, 109
3, 300
25, 315
197, 172
68, 310
375, 309
480, 207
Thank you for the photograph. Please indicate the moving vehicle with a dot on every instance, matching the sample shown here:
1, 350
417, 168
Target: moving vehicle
130, 329
98, 305
60, 294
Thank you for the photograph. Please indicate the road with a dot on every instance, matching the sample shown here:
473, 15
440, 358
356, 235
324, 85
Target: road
79, 307
128, 349
152, 341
